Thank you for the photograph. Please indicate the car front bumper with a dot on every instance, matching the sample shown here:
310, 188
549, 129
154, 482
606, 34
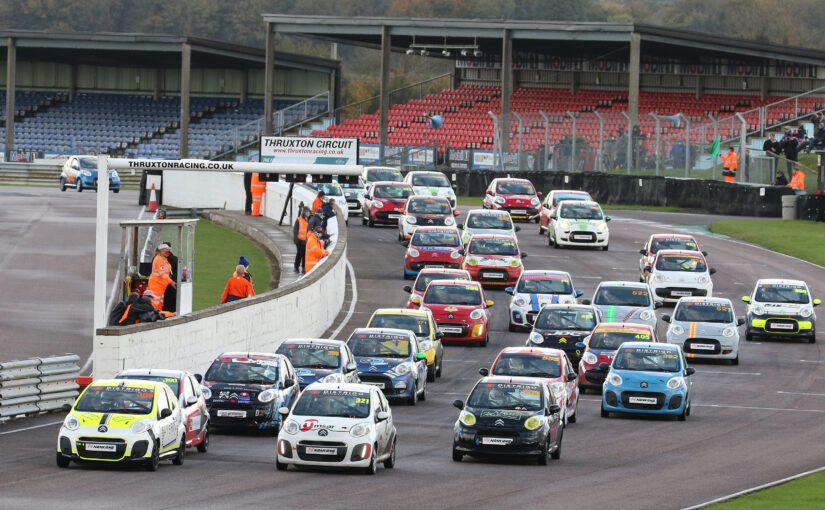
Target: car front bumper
581, 238
76, 445
795, 326
664, 291
260, 417
469, 440
295, 449
617, 399
508, 276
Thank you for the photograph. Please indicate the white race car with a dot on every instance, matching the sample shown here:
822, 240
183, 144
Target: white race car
676, 274
338, 425
705, 327
625, 302
430, 183
536, 289
579, 223
486, 221
425, 212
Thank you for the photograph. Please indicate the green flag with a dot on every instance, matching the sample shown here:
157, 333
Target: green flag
714, 148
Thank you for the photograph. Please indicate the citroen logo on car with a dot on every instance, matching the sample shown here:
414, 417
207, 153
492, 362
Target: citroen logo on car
499, 423
103, 429
323, 432
643, 384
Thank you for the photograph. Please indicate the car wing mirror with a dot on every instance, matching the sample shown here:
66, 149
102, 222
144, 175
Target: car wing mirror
579, 293
165, 413
817, 302
524, 254
666, 318
420, 356
484, 372
517, 229
689, 371
416, 301
607, 218
509, 290
191, 400
351, 366
439, 335
540, 194
712, 271
747, 299
461, 251
458, 403
570, 376
585, 301
382, 416
489, 192
283, 411
603, 366
405, 244
705, 253
288, 383
456, 213
489, 303
643, 251
658, 304
199, 378
408, 289
553, 409
740, 321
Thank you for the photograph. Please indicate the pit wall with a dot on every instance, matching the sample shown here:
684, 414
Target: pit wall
304, 308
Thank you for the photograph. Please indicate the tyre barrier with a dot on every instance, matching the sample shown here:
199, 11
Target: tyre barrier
38, 385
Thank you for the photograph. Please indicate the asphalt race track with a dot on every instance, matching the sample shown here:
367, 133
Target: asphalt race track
761, 421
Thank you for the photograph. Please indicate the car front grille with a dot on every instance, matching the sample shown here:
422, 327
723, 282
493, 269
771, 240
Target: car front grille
776, 326
691, 343
82, 442
580, 236
660, 399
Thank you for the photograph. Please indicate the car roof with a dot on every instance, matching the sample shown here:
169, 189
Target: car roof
510, 379
128, 383
691, 253
628, 326
454, 283
652, 345
251, 355
618, 283
446, 230
392, 183
444, 270
416, 172
579, 202
780, 281
434, 198
569, 191
382, 331
497, 237
162, 372
543, 272
538, 351
511, 179
340, 386
566, 306
399, 311
671, 236
705, 299
379, 167
487, 212
319, 341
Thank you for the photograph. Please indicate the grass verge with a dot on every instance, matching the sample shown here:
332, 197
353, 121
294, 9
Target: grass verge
805, 492
798, 238
216, 254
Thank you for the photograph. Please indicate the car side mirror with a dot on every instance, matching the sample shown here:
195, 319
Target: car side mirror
66, 407
705, 253
648, 268
461, 251
420, 356
74, 166
658, 304
489, 303
553, 409
484, 371
740, 321
643, 251
585, 301
524, 254
288, 383
351, 366
283, 411
570, 376
199, 378
689, 371
456, 213
165, 413
747, 299
382, 416
666, 318
603, 366
405, 244
540, 194
455, 186
553, 215
712, 271
509, 290
439, 335
580, 345
817, 302
416, 301
458, 403
579, 293
191, 400
517, 229
408, 289
607, 218
489, 192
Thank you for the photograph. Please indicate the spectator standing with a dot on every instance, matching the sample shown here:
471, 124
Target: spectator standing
771, 146
247, 188
327, 212
242, 261
161, 276
258, 189
319, 201
299, 237
170, 295
315, 250
237, 287
790, 149
678, 152
731, 161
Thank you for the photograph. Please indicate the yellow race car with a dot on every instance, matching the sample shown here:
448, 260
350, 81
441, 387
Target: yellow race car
423, 325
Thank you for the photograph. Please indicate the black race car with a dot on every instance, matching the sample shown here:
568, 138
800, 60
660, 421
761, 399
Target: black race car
562, 327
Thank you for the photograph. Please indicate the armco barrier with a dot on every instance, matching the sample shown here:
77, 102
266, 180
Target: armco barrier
38, 385
304, 308
716, 197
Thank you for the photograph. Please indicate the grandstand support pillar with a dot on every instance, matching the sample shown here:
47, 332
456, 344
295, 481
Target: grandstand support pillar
629, 158
11, 79
269, 70
72, 82
158, 84
384, 98
244, 85
658, 142
185, 70
599, 166
572, 164
743, 149
545, 165
506, 88
633, 79
574, 82
763, 88
700, 86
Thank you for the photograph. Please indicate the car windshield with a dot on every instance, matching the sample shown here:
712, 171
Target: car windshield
311, 355
172, 382
611, 339
88, 163
673, 243
116, 399
329, 188
528, 365
429, 206
433, 180
492, 247
544, 285
648, 359
386, 191
383, 174
681, 263
703, 312
556, 319
622, 296
439, 294
582, 211
515, 188
415, 323
492, 221
351, 185
559, 198
337, 403
782, 293
425, 279
519, 397
233, 370
380, 345
435, 239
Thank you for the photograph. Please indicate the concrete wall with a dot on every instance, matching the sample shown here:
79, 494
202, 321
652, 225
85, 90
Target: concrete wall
300, 309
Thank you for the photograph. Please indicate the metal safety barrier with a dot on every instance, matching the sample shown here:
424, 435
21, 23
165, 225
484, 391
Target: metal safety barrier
38, 385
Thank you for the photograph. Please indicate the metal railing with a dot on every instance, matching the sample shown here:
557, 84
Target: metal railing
38, 385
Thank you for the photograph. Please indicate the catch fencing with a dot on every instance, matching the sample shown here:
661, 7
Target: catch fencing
37, 385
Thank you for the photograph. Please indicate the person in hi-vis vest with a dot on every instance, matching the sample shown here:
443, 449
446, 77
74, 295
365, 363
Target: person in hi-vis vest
258, 189
161, 276
315, 249
731, 164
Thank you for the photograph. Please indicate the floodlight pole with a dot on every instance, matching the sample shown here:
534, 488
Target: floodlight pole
546, 161
601, 140
687, 144
573, 142
658, 140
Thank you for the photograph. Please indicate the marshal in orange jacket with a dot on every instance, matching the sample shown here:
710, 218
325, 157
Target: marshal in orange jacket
237, 288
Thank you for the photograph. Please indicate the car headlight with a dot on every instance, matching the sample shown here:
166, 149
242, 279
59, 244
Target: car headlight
646, 315
536, 338
589, 358
467, 418
759, 310
401, 369
499, 200
291, 427
412, 252
703, 279
472, 262
477, 314
113, 174
729, 332
86, 173
71, 423
267, 396
614, 379
449, 221
455, 254
676, 382
532, 423
207, 393
332, 378
520, 302
558, 388
601, 227
806, 312
515, 263
411, 220
426, 345
360, 430
677, 329
348, 194
378, 204
535, 201
564, 225
139, 427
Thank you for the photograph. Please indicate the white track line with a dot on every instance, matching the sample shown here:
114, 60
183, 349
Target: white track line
753, 489
32, 427
800, 393
352, 303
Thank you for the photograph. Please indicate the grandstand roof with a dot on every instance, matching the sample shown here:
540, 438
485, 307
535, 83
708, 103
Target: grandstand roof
538, 36
147, 50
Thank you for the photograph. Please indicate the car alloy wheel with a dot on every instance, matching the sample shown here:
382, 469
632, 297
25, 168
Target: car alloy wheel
62, 460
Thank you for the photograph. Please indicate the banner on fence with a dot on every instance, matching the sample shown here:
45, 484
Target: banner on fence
309, 151
421, 156
460, 158
394, 155
484, 160
369, 154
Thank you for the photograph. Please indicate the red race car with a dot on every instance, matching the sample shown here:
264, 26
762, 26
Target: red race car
601, 346
552, 201
384, 202
517, 196
664, 242
433, 247
494, 259
459, 309
427, 275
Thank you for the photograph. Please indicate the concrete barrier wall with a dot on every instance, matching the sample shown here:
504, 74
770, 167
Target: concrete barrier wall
305, 308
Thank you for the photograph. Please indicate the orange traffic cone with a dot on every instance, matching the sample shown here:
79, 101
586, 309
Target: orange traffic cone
153, 200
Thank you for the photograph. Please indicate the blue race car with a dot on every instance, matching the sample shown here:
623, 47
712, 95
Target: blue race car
80, 172
316, 360
391, 359
647, 378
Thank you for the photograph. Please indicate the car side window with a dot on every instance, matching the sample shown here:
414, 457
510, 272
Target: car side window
382, 401
188, 390
163, 401
195, 386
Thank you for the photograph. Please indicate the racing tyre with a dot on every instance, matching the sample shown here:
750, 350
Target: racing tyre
116, 190
390, 462
62, 183
179, 458
541, 459
372, 468
555, 244
62, 462
813, 337
605, 412
735, 361
371, 222
413, 399
439, 366
512, 328
748, 336
78, 185
423, 395
457, 455
363, 220
556, 455
153, 462
604, 248
280, 466
685, 412
400, 236
575, 416
203, 446
582, 391
431, 373
484, 342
